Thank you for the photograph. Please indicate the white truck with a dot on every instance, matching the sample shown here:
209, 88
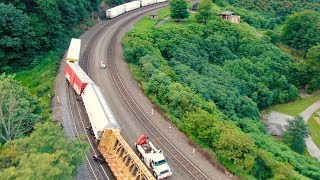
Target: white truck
154, 159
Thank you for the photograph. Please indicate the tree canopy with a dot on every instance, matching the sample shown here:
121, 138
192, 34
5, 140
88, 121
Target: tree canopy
47, 152
16, 37
302, 30
204, 11
179, 9
295, 134
34, 27
19, 110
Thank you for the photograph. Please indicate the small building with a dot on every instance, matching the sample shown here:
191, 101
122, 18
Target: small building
154, 16
228, 15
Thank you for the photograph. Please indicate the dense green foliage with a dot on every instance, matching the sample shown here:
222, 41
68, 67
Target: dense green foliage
19, 110
37, 26
301, 30
295, 23
211, 81
296, 132
308, 74
204, 11
46, 153
179, 9
244, 73
32, 36
268, 13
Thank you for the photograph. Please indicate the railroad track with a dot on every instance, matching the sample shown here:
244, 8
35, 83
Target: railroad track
97, 171
181, 161
171, 151
78, 114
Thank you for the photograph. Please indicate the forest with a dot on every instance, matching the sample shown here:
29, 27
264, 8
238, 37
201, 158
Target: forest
212, 79
33, 37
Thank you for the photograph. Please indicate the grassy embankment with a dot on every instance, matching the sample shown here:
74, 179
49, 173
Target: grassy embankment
296, 107
314, 128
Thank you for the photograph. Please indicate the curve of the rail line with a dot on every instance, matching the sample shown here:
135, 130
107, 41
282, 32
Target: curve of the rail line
103, 43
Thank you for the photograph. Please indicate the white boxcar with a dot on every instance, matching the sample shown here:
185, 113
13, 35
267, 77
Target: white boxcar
98, 110
74, 50
132, 5
116, 11
147, 2
160, 1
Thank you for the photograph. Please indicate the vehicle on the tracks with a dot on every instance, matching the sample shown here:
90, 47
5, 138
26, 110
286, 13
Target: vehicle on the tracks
74, 50
102, 65
77, 78
153, 158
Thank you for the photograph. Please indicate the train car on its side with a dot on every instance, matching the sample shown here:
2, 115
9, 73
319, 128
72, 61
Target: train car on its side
98, 110
76, 77
147, 2
116, 11
74, 50
132, 5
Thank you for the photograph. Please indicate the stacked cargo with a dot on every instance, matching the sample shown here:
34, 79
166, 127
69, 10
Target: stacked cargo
132, 5
76, 77
98, 110
116, 11
74, 50
147, 2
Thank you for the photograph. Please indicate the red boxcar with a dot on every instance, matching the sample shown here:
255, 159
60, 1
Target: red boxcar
76, 77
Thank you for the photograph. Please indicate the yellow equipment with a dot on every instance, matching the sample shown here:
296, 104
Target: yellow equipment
122, 160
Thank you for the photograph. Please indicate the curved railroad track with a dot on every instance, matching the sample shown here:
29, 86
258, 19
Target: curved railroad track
181, 161
77, 112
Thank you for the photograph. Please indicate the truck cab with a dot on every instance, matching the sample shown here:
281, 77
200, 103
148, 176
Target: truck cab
160, 166
153, 158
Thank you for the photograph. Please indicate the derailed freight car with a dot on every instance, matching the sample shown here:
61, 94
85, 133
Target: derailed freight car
132, 5
98, 110
77, 78
74, 50
116, 11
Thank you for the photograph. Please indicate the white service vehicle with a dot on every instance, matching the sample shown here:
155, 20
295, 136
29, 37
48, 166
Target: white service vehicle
154, 159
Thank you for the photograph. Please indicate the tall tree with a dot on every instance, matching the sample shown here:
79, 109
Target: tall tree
19, 110
179, 9
204, 11
17, 40
46, 154
296, 132
302, 30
